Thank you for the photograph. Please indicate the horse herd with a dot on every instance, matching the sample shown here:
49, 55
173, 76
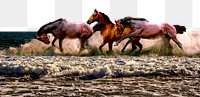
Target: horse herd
127, 27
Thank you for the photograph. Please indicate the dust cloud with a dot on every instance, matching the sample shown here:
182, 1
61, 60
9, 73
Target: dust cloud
189, 40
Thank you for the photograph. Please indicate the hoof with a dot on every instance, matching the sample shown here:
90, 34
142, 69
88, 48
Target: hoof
122, 51
109, 52
61, 50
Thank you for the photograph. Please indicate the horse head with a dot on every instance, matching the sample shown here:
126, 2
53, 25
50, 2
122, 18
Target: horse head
93, 17
44, 38
120, 27
50, 27
98, 16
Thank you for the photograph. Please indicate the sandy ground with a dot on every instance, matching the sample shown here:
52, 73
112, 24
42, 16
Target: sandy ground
99, 76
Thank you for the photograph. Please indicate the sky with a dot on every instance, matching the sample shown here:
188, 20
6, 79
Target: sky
30, 15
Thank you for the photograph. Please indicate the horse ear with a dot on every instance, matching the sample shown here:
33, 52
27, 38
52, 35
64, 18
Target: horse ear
95, 10
116, 22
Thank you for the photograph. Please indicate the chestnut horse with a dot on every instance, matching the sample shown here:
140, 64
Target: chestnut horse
62, 29
109, 32
144, 29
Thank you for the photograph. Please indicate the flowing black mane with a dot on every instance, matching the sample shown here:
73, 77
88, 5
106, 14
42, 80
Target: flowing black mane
106, 17
126, 21
128, 18
41, 28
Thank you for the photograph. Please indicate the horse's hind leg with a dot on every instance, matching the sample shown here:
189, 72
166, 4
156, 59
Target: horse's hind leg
178, 43
127, 36
60, 44
133, 34
166, 48
174, 38
101, 46
129, 41
139, 45
87, 43
82, 41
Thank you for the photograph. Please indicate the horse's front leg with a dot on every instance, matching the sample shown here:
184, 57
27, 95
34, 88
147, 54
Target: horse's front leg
101, 46
53, 42
110, 46
127, 36
133, 34
82, 41
138, 44
60, 44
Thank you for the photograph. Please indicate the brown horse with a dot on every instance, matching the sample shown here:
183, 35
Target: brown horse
109, 32
144, 29
62, 29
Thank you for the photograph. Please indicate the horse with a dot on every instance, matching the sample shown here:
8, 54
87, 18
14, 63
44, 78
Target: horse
109, 32
98, 27
146, 30
135, 40
61, 29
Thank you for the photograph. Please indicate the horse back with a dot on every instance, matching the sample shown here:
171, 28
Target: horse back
77, 30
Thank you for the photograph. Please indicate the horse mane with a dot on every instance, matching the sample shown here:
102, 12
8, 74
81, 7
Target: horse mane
128, 18
106, 17
41, 28
126, 21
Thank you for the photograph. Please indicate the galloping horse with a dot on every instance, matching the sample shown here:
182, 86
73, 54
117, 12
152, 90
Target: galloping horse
62, 29
144, 29
109, 32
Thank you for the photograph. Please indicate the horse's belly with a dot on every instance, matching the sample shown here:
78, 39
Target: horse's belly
152, 35
73, 35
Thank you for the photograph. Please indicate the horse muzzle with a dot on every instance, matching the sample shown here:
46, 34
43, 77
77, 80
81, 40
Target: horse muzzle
89, 22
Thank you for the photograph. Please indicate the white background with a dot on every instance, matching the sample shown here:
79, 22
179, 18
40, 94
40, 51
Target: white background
40, 12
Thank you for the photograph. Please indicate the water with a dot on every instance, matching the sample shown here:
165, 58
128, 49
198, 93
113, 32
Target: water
15, 39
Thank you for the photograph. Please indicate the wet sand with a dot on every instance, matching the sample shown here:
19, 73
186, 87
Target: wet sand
150, 75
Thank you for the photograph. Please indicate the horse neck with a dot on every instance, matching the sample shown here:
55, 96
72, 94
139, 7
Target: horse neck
102, 20
52, 30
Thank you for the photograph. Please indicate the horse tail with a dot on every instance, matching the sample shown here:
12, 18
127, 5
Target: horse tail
171, 33
180, 29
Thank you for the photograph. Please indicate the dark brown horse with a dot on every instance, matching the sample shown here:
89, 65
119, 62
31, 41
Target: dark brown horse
62, 29
98, 27
109, 32
144, 29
